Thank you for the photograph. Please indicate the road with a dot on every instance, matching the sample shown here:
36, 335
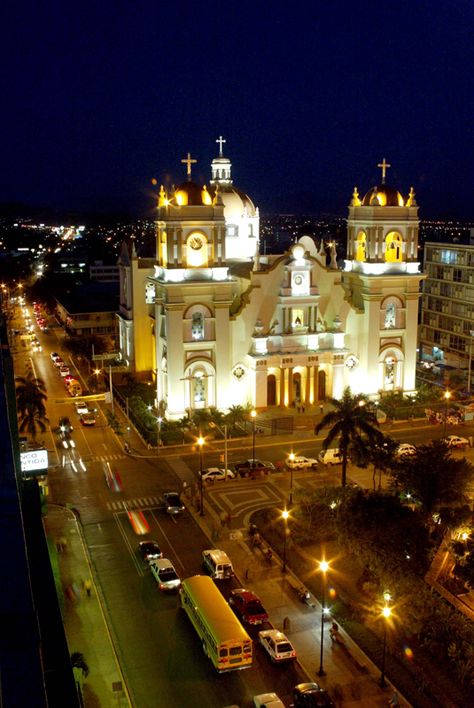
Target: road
154, 639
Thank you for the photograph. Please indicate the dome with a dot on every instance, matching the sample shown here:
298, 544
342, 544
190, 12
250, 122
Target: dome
382, 195
192, 194
235, 202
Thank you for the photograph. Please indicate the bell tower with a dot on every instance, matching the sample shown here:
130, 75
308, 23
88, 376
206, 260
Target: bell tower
382, 283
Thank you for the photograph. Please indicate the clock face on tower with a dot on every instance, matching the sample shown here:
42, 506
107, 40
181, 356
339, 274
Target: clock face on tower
196, 242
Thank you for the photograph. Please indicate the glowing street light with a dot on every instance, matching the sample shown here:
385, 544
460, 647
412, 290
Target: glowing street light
200, 442
253, 415
323, 567
447, 396
284, 515
386, 614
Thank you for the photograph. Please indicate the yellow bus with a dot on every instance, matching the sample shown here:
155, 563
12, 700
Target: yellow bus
223, 638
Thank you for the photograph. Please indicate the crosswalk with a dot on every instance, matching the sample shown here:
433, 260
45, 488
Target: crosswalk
137, 503
106, 458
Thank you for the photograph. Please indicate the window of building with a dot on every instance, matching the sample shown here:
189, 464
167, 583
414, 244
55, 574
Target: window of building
232, 230
457, 275
297, 318
197, 326
390, 315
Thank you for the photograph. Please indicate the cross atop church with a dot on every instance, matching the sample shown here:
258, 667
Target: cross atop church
220, 140
384, 165
188, 161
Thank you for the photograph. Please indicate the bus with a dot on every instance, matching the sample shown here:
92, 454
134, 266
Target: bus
224, 641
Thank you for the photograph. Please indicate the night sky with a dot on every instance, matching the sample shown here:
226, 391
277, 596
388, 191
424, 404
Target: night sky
100, 98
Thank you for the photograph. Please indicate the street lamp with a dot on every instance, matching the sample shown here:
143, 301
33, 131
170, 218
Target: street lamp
291, 458
470, 362
284, 515
323, 567
253, 415
200, 442
386, 613
447, 396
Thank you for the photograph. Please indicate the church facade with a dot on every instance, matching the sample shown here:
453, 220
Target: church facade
213, 323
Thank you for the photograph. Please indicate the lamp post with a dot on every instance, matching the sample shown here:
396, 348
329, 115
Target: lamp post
470, 362
447, 396
253, 414
323, 567
111, 390
200, 442
386, 612
284, 515
291, 458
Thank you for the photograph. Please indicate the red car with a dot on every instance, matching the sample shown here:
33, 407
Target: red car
248, 606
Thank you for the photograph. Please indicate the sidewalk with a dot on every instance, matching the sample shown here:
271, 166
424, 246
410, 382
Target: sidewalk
83, 617
351, 678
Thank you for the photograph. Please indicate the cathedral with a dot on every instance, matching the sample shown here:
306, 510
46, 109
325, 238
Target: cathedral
211, 322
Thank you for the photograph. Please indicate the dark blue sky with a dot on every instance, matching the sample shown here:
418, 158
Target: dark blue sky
99, 98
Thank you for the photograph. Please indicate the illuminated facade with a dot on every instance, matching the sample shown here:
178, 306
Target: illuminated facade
213, 323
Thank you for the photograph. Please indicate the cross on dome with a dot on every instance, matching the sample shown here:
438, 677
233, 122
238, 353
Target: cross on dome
188, 161
384, 165
220, 140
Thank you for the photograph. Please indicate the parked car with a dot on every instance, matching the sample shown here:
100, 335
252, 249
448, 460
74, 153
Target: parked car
88, 418
213, 474
149, 550
253, 468
299, 462
456, 441
330, 457
54, 356
164, 573
405, 450
268, 700
248, 606
64, 370
311, 695
277, 645
172, 503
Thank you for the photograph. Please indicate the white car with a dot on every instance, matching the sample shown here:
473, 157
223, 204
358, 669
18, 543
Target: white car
81, 407
268, 700
331, 457
215, 473
277, 645
456, 441
405, 450
164, 573
299, 462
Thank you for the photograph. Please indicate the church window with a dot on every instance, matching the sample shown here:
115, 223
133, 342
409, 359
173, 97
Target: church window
390, 366
199, 390
232, 230
197, 326
393, 247
360, 246
150, 294
250, 230
390, 315
297, 318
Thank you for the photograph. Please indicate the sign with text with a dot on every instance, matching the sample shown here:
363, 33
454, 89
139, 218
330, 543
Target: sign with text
34, 461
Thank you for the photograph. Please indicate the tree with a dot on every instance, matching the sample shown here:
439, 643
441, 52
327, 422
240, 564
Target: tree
433, 476
380, 454
78, 662
30, 402
236, 416
351, 418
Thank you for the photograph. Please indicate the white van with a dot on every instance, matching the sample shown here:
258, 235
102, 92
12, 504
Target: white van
330, 457
217, 564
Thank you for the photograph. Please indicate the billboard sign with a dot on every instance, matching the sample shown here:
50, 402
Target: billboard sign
34, 461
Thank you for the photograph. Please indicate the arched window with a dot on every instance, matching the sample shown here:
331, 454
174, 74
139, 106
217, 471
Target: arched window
360, 246
197, 326
390, 315
393, 247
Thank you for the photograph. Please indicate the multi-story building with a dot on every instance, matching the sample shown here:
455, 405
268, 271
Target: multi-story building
214, 323
447, 319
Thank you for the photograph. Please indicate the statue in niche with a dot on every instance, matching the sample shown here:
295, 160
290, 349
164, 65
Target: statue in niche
390, 316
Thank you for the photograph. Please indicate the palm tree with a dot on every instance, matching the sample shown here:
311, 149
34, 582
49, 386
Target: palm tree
78, 662
236, 416
350, 418
30, 402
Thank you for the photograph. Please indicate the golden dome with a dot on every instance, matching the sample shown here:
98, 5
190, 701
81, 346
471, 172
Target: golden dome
382, 195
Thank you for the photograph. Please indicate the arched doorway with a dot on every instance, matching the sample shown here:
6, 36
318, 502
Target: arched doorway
271, 390
297, 387
321, 385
